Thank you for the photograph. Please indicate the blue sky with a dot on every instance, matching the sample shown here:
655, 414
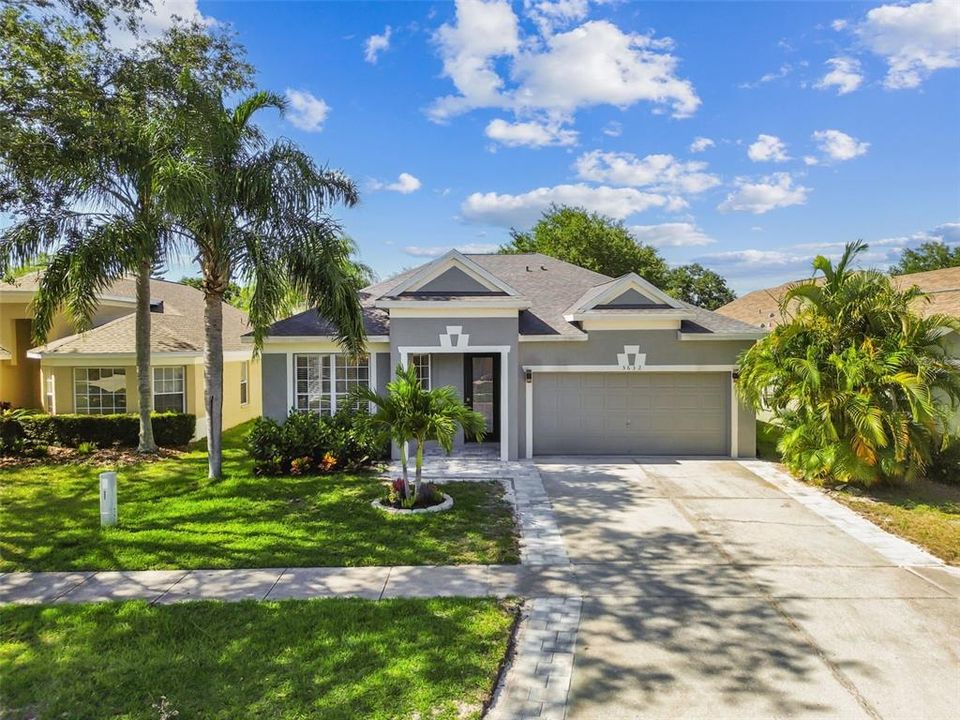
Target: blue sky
819, 122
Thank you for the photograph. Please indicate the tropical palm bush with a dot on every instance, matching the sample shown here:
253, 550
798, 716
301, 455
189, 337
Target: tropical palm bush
410, 412
860, 382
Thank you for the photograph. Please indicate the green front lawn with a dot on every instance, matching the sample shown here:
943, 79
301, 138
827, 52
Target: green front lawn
434, 658
171, 516
924, 512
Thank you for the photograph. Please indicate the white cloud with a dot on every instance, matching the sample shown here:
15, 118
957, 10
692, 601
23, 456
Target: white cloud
768, 148
551, 14
157, 18
915, 40
681, 234
845, 75
838, 25
404, 184
305, 111
592, 64
598, 64
700, 144
838, 145
529, 134
613, 129
377, 44
484, 31
663, 173
810, 160
524, 209
438, 250
794, 262
782, 72
768, 193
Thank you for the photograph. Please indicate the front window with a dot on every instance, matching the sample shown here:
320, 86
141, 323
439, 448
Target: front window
422, 365
51, 393
100, 391
244, 383
351, 374
324, 383
168, 389
312, 383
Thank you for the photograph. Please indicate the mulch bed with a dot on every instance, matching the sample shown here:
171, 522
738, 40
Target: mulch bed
106, 457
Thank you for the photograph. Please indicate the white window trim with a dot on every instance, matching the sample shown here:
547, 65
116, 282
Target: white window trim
245, 382
154, 393
429, 357
332, 359
76, 394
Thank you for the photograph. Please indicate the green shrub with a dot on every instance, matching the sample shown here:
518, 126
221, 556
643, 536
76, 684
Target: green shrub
299, 444
945, 464
169, 429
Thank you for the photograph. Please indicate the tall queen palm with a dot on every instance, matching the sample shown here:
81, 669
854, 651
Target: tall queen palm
256, 211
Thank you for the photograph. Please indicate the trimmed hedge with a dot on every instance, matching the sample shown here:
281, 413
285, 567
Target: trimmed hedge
169, 429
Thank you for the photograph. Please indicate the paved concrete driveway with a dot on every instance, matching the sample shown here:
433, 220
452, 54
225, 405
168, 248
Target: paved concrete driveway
709, 593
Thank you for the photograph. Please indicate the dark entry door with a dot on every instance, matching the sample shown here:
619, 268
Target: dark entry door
481, 390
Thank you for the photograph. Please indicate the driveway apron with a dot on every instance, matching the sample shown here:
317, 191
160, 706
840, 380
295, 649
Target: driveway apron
710, 593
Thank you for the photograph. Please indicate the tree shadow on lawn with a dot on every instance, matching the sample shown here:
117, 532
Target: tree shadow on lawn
291, 659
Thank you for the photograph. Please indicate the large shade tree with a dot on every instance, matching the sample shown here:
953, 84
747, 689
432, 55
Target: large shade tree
860, 382
84, 140
255, 211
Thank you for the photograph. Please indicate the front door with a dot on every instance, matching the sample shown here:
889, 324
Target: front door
481, 391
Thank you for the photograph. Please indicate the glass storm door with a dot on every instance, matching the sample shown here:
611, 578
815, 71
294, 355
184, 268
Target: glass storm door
481, 391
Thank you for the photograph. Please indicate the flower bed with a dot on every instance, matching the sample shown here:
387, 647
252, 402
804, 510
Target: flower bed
445, 503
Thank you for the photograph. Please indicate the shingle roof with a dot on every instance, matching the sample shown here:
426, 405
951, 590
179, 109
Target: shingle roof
550, 285
760, 308
179, 328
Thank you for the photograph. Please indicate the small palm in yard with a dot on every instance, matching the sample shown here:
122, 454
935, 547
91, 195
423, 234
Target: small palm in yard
410, 412
860, 383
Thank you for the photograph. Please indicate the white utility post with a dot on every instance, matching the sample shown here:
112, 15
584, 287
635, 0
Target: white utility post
108, 499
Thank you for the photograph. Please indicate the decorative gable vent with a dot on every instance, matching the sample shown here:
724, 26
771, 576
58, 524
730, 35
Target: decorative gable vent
454, 338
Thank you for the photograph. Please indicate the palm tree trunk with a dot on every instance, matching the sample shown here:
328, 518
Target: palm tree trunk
146, 443
213, 379
403, 465
416, 486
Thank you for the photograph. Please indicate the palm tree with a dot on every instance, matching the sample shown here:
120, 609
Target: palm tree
255, 212
410, 412
115, 225
858, 380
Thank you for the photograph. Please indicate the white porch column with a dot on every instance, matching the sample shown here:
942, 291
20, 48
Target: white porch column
734, 419
529, 415
504, 410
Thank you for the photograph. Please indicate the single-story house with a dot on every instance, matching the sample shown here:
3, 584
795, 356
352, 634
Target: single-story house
94, 372
559, 359
761, 308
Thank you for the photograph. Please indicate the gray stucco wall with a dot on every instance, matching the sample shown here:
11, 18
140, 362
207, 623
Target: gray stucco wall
425, 332
662, 347
274, 373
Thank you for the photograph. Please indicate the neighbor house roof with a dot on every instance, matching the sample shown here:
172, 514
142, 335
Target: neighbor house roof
761, 308
549, 286
176, 326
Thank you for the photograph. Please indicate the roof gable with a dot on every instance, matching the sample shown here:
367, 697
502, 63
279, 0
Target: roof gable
436, 274
454, 281
627, 292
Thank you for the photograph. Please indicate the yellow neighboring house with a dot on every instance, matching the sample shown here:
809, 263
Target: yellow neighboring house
761, 307
95, 371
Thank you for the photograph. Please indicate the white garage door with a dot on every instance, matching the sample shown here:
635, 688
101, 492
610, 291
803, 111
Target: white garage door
625, 413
